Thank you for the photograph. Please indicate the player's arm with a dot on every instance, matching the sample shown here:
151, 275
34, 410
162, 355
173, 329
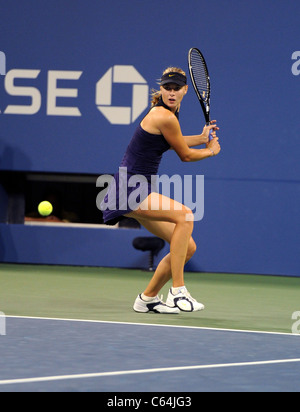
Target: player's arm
170, 129
198, 140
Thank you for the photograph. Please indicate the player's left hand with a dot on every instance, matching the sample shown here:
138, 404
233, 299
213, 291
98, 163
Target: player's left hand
213, 126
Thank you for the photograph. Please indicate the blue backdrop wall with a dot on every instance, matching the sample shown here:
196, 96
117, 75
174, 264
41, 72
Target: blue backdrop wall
75, 78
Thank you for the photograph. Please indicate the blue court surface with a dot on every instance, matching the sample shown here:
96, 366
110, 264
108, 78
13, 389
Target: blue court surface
58, 355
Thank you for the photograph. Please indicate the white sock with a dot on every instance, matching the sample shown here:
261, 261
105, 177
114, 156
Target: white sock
175, 291
147, 298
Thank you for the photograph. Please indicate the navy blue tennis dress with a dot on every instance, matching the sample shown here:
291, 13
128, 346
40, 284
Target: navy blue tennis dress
135, 179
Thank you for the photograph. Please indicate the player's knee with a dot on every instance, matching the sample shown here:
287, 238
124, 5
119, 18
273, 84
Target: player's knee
189, 218
186, 215
189, 215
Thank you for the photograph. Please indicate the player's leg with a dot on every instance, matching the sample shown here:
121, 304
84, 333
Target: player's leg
163, 272
160, 208
157, 208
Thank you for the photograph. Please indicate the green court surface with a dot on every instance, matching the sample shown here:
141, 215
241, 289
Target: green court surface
244, 302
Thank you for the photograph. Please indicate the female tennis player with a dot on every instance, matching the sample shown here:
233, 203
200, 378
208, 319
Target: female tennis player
158, 132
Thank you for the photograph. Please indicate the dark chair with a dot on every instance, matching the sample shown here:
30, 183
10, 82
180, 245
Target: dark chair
149, 244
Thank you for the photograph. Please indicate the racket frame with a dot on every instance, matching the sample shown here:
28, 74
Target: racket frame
205, 103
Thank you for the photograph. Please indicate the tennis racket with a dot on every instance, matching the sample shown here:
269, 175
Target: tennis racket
201, 82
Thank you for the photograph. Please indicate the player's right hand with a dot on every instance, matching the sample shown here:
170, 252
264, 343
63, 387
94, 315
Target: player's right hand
214, 145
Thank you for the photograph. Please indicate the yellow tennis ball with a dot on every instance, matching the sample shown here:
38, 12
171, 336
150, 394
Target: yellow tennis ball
45, 208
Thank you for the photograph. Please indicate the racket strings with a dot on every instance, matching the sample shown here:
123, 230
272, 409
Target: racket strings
200, 75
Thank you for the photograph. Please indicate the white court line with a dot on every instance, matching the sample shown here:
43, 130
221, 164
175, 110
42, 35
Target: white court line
142, 371
151, 324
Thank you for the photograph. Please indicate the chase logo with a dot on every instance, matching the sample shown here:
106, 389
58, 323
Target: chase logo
296, 65
104, 91
116, 111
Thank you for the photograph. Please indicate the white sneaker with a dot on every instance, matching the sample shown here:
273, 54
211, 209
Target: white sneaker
184, 301
156, 305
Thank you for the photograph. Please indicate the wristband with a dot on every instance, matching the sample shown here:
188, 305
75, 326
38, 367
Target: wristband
213, 153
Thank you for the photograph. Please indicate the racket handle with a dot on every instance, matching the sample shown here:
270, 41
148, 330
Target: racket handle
210, 136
